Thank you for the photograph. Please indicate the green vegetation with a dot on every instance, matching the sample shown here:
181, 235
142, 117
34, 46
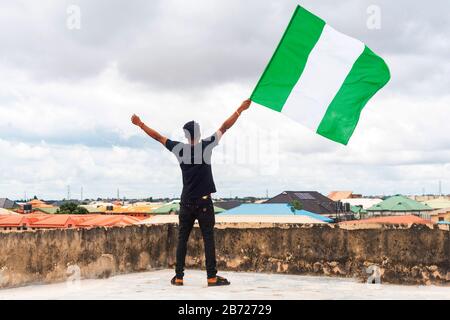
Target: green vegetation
296, 205
71, 208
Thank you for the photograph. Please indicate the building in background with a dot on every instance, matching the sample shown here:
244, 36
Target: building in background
228, 204
173, 208
339, 195
364, 203
5, 212
376, 221
311, 201
36, 221
5, 203
429, 197
272, 209
438, 203
400, 205
440, 215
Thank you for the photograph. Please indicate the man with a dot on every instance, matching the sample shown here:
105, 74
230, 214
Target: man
198, 184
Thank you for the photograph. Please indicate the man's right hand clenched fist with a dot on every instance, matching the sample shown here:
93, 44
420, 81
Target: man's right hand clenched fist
136, 120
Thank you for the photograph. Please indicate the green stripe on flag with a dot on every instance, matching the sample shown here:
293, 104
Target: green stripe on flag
289, 60
368, 75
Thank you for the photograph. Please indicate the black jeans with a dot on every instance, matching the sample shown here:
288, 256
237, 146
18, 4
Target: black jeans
202, 210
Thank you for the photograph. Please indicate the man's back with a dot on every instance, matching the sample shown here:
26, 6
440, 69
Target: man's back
195, 164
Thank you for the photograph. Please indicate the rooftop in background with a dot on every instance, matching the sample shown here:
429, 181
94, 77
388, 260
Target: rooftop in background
339, 195
109, 221
364, 202
407, 219
61, 221
271, 209
438, 203
5, 203
311, 201
4, 212
250, 221
174, 208
36, 203
48, 210
227, 205
399, 204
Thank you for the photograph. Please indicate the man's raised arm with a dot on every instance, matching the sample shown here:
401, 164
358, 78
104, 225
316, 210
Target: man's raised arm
232, 119
152, 133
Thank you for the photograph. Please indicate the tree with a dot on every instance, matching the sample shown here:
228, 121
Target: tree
296, 205
71, 208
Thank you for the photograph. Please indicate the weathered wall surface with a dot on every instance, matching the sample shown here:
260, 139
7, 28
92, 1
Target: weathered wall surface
416, 255
56, 255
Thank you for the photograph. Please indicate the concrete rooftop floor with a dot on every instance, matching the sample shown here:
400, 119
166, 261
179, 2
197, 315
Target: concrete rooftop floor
155, 285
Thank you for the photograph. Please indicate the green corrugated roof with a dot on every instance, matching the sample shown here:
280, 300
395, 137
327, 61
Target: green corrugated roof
175, 207
52, 210
399, 203
357, 209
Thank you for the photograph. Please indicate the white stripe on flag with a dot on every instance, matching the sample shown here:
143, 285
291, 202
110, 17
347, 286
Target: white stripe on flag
328, 65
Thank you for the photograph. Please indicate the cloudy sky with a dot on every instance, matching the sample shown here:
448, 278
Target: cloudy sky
66, 96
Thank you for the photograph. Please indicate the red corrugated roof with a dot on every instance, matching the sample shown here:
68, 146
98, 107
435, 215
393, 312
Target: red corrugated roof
54, 221
65, 221
109, 221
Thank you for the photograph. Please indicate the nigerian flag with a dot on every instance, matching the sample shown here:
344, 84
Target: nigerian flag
320, 77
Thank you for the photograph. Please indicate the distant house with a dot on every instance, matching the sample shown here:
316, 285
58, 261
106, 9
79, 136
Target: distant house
399, 220
14, 222
174, 208
36, 203
364, 203
339, 195
272, 209
6, 212
35, 221
400, 205
47, 210
440, 215
5, 203
438, 203
311, 201
227, 205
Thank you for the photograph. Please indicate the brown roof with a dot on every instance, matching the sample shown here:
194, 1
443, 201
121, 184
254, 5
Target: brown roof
311, 201
339, 195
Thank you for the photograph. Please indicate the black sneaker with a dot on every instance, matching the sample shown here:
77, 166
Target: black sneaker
176, 281
218, 281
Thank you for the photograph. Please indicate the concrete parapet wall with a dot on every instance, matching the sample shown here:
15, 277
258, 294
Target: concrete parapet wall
405, 255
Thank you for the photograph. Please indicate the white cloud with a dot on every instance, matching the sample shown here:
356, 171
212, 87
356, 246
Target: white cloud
66, 99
